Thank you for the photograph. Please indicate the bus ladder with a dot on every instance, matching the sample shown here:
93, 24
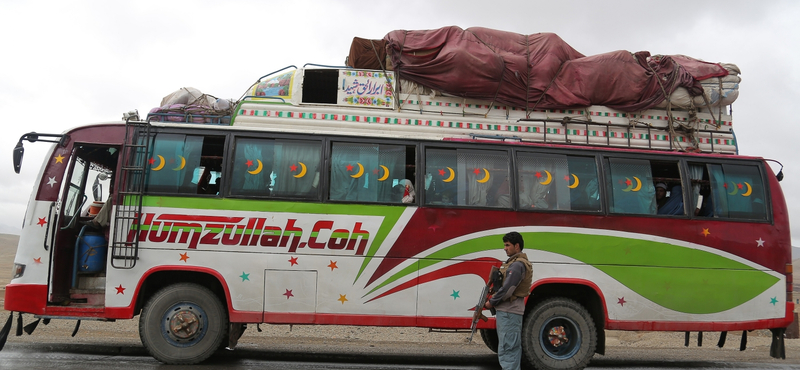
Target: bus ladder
128, 213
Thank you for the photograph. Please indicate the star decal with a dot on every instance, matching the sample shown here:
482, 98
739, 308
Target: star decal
628, 182
376, 171
51, 181
292, 168
333, 265
773, 300
41, 222
120, 290
249, 163
293, 261
59, 158
538, 175
37, 261
740, 186
628, 250
245, 276
455, 294
441, 172
349, 167
152, 161
706, 232
477, 171
760, 242
566, 178
343, 298
288, 294
185, 257
667, 285
621, 301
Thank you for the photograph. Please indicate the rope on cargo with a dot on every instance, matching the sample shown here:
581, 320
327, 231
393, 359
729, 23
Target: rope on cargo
386, 75
671, 119
500, 83
527, 112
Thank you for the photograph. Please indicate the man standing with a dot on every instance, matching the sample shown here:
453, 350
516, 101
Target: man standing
509, 301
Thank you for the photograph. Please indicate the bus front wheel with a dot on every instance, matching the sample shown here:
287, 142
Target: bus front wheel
558, 334
183, 323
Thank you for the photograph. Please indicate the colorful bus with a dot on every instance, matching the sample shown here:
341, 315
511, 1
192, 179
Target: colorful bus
327, 197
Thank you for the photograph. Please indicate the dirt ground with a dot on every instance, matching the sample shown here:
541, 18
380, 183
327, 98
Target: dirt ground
396, 340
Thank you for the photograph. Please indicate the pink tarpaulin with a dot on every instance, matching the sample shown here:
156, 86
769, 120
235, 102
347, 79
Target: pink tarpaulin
539, 70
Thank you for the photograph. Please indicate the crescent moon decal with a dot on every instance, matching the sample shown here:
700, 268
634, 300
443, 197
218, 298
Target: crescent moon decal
258, 169
385, 173
160, 165
630, 185
735, 189
574, 184
548, 180
183, 164
638, 184
360, 171
749, 190
452, 175
303, 170
485, 178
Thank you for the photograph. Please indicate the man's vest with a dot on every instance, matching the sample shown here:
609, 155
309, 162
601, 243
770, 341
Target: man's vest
524, 288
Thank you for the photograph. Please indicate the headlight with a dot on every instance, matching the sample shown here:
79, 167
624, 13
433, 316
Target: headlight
19, 270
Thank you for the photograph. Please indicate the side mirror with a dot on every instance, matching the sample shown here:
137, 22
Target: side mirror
18, 152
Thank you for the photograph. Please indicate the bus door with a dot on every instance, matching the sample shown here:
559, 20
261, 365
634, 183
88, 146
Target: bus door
79, 254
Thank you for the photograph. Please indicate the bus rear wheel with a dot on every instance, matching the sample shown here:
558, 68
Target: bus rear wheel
490, 338
183, 323
558, 334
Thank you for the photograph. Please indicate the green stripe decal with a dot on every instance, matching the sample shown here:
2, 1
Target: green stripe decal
678, 278
390, 214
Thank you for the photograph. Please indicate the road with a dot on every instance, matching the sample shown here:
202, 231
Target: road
90, 357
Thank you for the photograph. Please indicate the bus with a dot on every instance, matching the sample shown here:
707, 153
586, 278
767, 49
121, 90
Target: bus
335, 196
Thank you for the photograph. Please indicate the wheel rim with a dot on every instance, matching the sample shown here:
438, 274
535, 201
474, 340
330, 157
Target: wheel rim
184, 324
560, 338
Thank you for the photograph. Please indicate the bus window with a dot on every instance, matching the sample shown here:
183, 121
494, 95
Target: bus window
295, 170
667, 175
372, 173
252, 167
467, 178
557, 182
737, 192
630, 185
700, 195
185, 164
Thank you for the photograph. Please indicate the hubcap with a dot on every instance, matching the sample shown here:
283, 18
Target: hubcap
560, 338
184, 324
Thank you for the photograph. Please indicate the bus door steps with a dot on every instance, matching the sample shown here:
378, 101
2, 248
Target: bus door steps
89, 297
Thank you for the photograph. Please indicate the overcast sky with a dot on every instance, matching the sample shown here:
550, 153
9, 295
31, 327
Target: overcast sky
68, 63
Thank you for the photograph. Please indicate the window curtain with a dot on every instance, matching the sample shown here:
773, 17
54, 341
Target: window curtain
366, 172
255, 179
627, 194
169, 152
542, 184
478, 171
291, 157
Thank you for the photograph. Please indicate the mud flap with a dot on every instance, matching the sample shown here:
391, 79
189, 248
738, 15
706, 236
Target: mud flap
235, 332
777, 349
4, 332
31, 327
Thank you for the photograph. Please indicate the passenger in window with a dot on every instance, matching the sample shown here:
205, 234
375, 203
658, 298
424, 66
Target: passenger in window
404, 191
661, 194
674, 203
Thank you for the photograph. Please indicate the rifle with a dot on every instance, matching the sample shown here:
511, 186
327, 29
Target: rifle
495, 281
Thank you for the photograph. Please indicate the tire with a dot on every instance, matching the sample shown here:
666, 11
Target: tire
191, 307
541, 348
490, 338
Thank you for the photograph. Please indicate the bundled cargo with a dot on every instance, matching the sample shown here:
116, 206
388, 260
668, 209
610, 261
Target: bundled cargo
541, 71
